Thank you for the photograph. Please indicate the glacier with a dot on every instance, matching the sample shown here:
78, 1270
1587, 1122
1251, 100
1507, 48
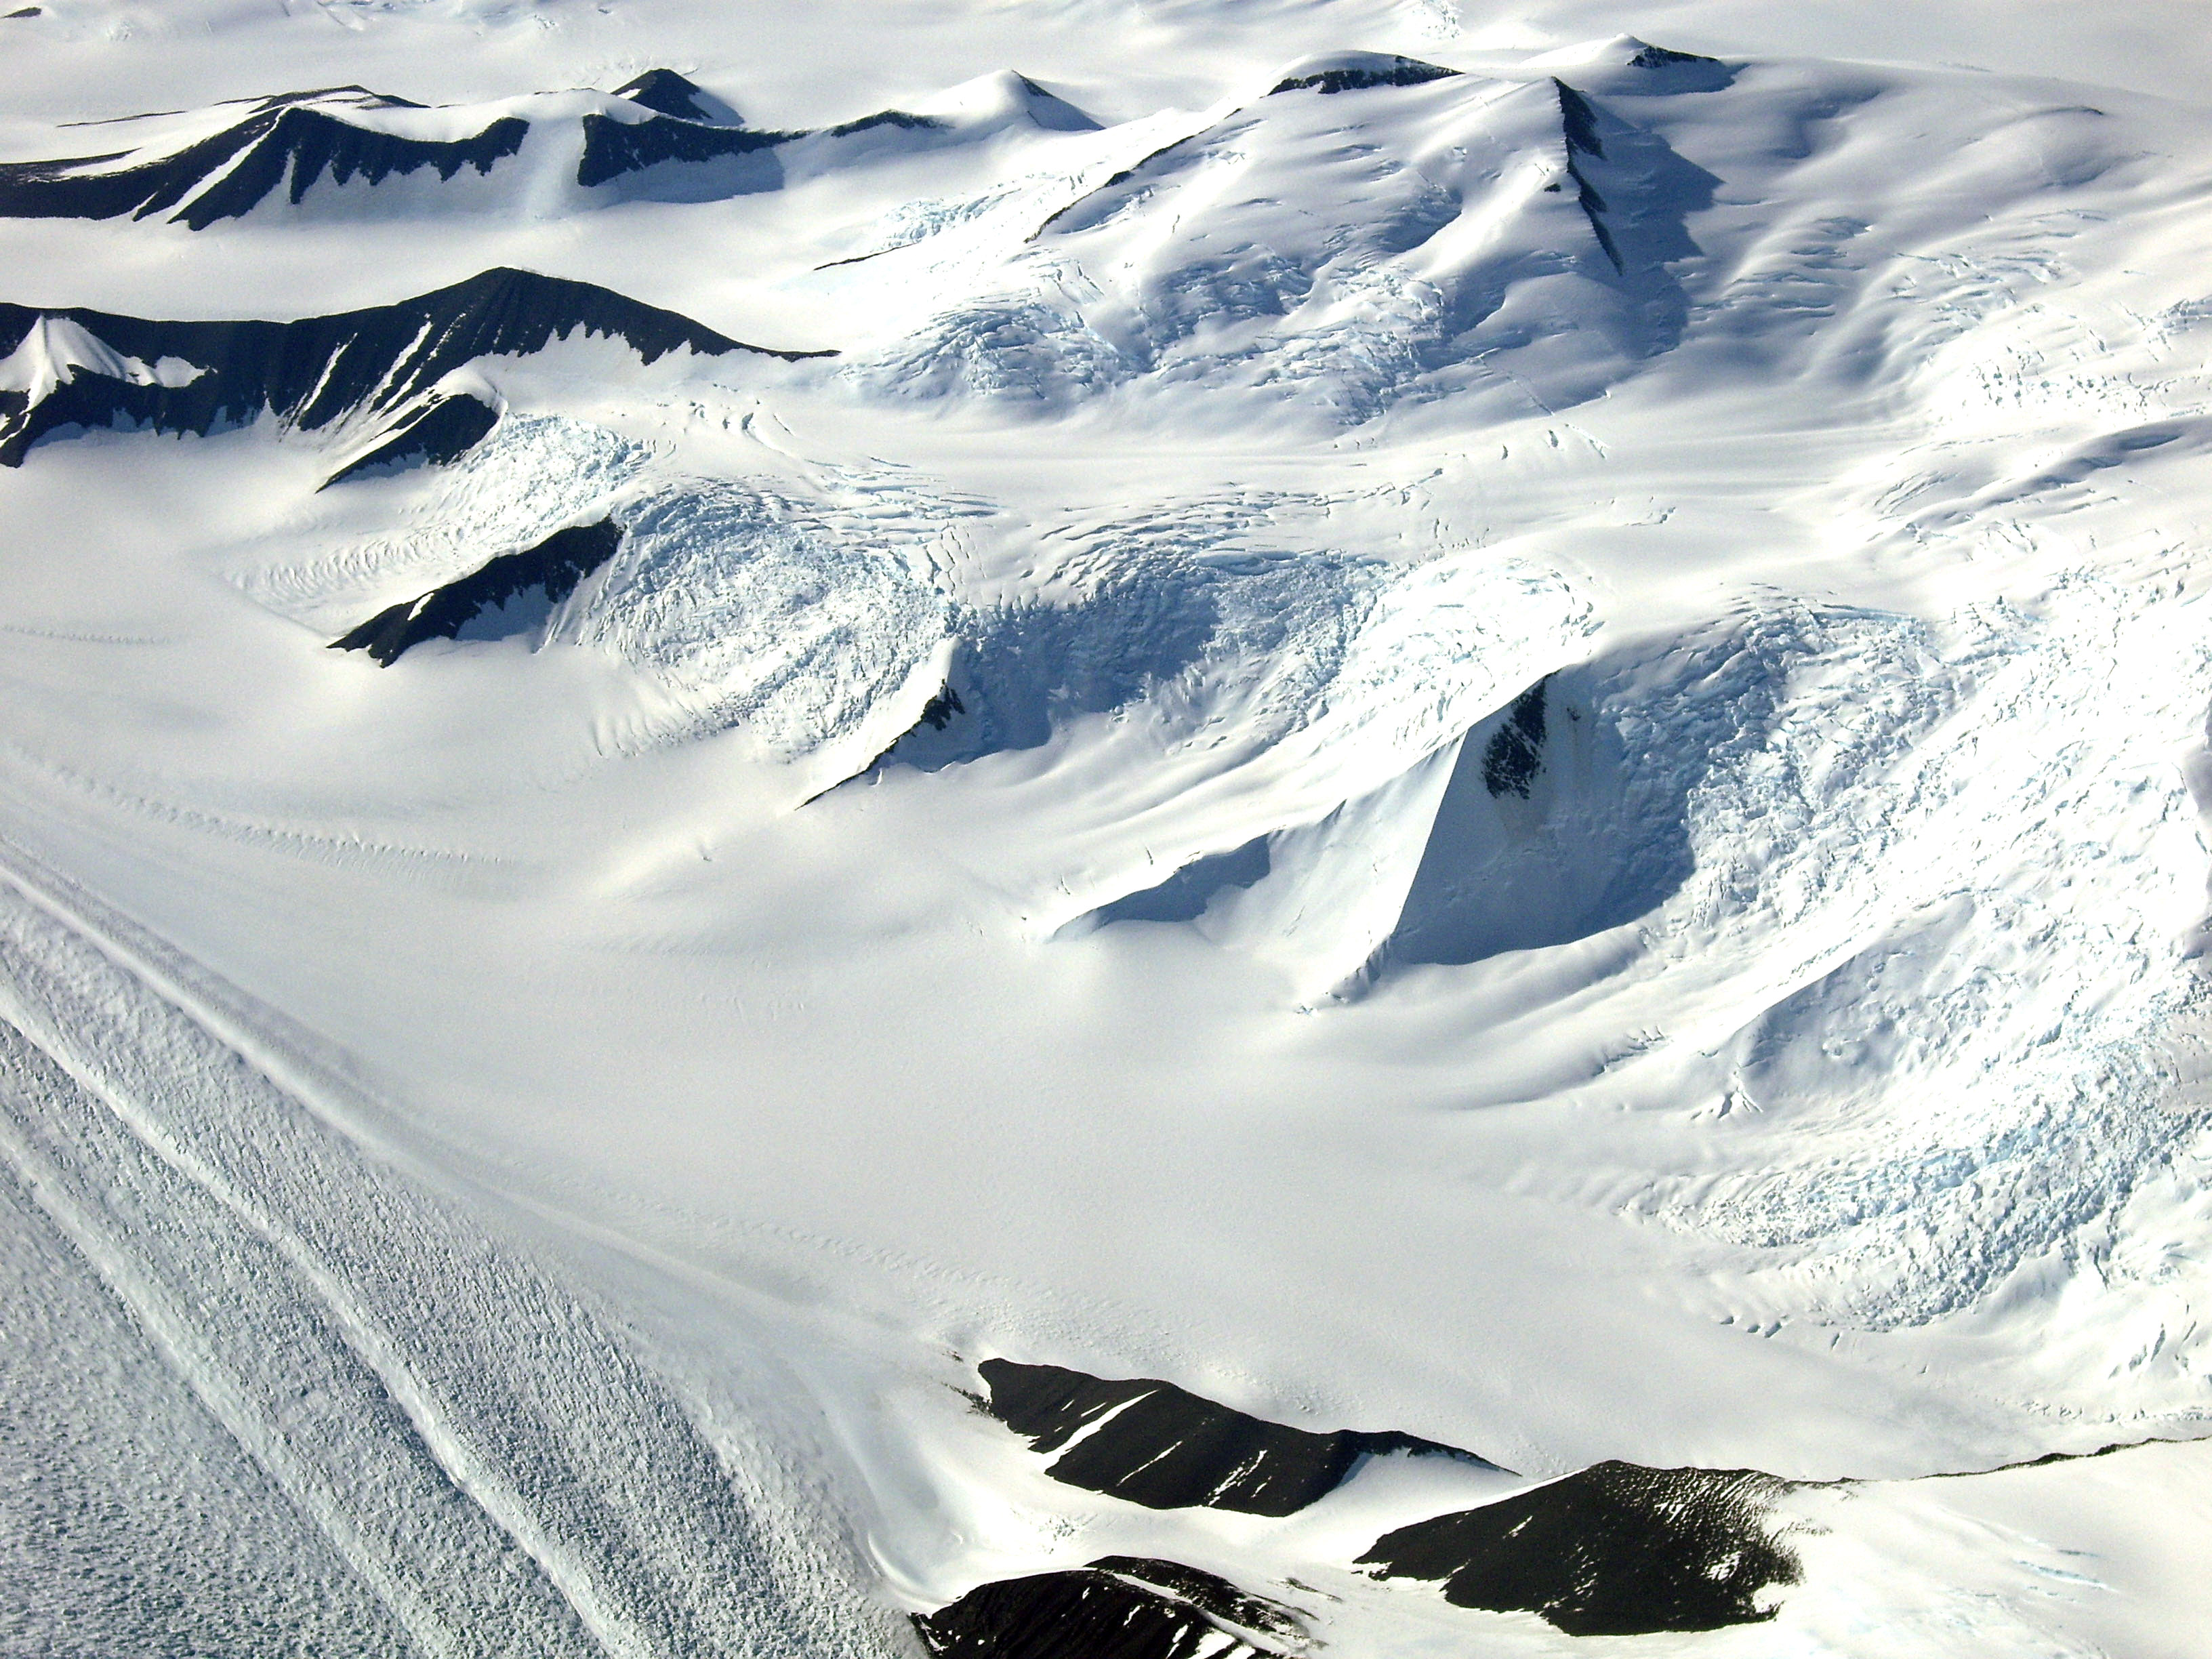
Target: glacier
1230, 828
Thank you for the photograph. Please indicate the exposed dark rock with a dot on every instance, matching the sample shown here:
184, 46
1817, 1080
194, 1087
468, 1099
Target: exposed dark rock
612, 148
1119, 1607
886, 117
1667, 57
1578, 122
1515, 753
440, 432
1210, 1594
25, 11
1121, 178
1384, 71
553, 567
1167, 1448
318, 369
1616, 1550
937, 714
1658, 69
670, 94
283, 142
232, 172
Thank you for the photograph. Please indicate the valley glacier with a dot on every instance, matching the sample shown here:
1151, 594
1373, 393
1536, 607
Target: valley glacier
1201, 829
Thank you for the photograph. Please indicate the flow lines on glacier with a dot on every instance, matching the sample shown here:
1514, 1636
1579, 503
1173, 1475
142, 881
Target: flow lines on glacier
481, 1443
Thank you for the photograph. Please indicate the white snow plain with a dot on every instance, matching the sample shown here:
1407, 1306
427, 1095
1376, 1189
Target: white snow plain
1520, 755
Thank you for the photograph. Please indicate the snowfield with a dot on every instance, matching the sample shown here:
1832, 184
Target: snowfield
1093, 831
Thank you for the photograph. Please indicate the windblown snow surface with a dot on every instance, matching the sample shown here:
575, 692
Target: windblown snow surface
1230, 826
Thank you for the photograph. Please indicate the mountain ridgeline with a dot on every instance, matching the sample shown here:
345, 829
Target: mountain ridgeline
285, 147
91, 369
283, 144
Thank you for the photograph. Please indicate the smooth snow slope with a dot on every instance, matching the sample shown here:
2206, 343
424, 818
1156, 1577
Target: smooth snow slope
1427, 720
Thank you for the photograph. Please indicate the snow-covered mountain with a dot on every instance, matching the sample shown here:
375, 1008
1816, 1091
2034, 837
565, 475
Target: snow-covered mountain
658, 136
1213, 829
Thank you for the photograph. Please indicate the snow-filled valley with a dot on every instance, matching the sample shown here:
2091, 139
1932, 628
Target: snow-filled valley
1092, 830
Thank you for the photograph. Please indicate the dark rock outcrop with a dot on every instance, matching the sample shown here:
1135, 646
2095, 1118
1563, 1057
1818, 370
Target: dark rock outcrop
440, 432
613, 148
1151, 1442
1578, 126
1616, 1550
1118, 1607
227, 175
553, 567
294, 142
1372, 69
1650, 57
670, 94
1515, 753
318, 369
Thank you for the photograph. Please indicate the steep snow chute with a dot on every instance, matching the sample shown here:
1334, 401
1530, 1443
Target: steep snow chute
445, 427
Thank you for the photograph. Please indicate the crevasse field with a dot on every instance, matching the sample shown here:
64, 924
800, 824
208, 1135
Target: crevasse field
1080, 830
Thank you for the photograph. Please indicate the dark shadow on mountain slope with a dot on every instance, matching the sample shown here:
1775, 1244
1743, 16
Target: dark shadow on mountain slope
314, 371
1151, 1442
1616, 1550
1184, 895
1638, 195
230, 174
542, 576
1119, 1607
436, 435
1016, 670
1552, 828
1578, 126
